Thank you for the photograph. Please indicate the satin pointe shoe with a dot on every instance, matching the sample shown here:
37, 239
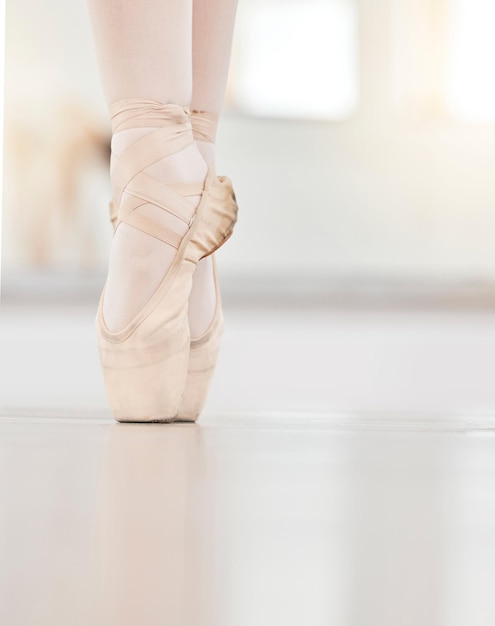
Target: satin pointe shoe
145, 364
203, 353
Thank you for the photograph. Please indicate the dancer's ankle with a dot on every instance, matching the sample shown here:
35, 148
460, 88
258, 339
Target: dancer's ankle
207, 150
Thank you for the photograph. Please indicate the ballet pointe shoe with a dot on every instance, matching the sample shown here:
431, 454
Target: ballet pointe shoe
204, 350
203, 354
145, 364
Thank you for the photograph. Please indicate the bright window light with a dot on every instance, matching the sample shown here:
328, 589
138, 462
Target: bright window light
298, 59
470, 87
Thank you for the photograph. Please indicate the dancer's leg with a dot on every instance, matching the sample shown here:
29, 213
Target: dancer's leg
213, 25
144, 49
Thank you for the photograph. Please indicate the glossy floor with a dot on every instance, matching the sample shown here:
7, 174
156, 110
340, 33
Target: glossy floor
252, 518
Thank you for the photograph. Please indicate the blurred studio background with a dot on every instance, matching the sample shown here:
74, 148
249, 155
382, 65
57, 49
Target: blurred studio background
360, 137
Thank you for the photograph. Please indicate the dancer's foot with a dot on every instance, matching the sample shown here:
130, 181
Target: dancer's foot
205, 307
202, 300
139, 261
144, 338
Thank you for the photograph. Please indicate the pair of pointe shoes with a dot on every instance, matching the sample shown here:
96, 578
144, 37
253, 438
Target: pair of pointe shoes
153, 371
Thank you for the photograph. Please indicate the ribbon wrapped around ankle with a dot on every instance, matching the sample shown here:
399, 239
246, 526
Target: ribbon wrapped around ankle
139, 113
204, 125
174, 132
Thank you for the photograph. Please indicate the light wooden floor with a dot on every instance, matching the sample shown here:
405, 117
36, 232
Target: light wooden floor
346, 477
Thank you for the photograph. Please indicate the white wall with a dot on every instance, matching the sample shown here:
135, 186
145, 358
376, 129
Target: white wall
396, 190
